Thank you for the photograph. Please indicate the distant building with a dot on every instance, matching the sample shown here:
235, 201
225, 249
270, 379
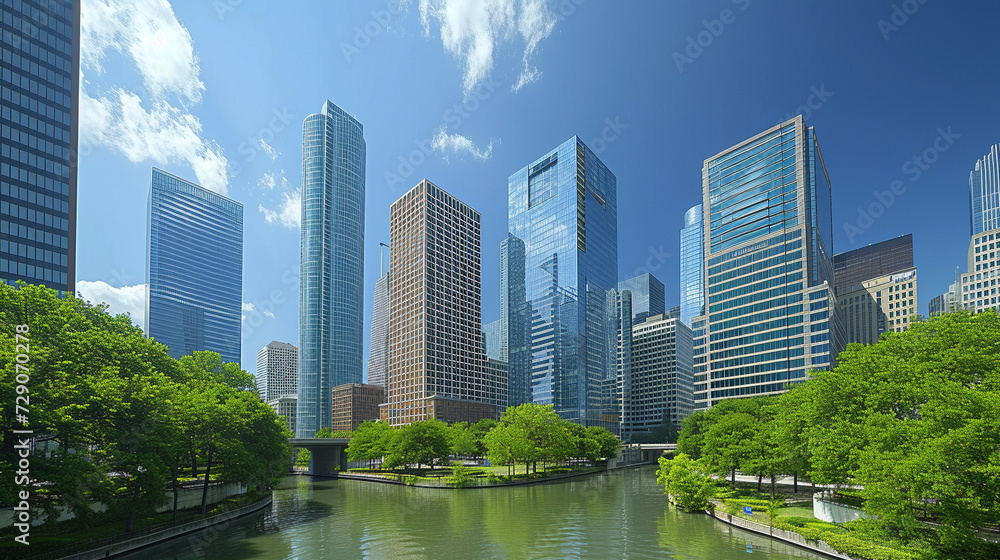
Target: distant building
515, 325
41, 84
947, 302
194, 268
353, 404
618, 389
699, 344
378, 358
437, 360
648, 296
984, 192
662, 374
978, 287
879, 259
674, 312
879, 305
285, 407
277, 371
492, 338
692, 265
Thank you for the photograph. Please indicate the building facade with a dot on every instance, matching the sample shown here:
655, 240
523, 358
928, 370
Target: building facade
194, 268
692, 265
563, 208
648, 296
878, 305
770, 304
332, 280
984, 192
515, 326
285, 408
277, 371
948, 302
879, 259
978, 287
354, 403
662, 374
38, 163
437, 359
378, 358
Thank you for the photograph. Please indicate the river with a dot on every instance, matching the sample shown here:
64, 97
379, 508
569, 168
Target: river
621, 514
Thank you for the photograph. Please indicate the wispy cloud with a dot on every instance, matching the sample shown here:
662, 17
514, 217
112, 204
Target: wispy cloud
269, 150
153, 122
269, 180
472, 30
248, 307
288, 213
458, 144
126, 299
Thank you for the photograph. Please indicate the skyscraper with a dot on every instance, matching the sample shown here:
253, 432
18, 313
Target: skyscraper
41, 73
515, 326
692, 265
277, 371
331, 287
378, 358
878, 305
563, 208
979, 288
437, 359
662, 373
194, 268
984, 192
648, 296
850, 268
769, 271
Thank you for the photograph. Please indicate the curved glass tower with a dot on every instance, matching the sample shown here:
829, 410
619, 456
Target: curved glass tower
331, 288
984, 192
692, 265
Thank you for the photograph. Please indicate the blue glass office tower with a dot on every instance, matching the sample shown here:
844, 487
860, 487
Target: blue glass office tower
692, 265
40, 42
563, 208
984, 192
331, 286
515, 328
194, 268
648, 296
769, 289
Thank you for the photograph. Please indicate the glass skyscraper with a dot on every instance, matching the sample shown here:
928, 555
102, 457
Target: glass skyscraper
769, 291
194, 268
41, 60
378, 358
692, 265
984, 192
331, 288
648, 296
515, 328
563, 209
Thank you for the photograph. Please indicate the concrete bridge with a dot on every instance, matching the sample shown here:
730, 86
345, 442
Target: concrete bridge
327, 454
651, 451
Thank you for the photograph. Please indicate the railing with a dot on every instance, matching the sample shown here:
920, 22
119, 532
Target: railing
782, 534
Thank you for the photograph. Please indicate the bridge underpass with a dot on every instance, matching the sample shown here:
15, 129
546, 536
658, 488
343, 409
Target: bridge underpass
326, 454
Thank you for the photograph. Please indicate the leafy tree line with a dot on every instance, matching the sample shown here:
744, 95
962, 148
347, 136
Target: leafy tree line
913, 419
528, 434
116, 420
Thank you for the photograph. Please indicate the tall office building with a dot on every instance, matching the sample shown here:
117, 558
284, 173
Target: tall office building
378, 358
662, 373
285, 408
984, 192
769, 269
880, 259
648, 296
563, 208
332, 281
194, 268
978, 288
618, 392
354, 403
437, 360
515, 326
277, 371
492, 340
948, 302
40, 82
692, 265
878, 305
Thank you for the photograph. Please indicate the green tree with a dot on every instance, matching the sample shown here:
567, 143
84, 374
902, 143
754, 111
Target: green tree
462, 440
371, 442
686, 481
692, 435
479, 431
608, 444
419, 443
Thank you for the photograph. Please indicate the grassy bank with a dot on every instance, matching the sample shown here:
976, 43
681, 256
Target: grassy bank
464, 476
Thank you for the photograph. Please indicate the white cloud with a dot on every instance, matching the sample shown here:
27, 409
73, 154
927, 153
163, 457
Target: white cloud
268, 149
127, 299
270, 179
472, 29
248, 307
456, 143
152, 122
289, 212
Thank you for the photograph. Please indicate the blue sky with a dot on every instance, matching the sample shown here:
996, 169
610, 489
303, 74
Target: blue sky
469, 92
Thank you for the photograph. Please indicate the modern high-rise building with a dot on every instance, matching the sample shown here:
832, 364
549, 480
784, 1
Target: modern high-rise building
984, 192
332, 281
769, 269
648, 296
354, 403
879, 259
515, 326
662, 374
194, 268
277, 371
285, 408
618, 393
878, 305
978, 288
40, 42
492, 340
437, 359
692, 265
563, 208
948, 302
378, 358
673, 313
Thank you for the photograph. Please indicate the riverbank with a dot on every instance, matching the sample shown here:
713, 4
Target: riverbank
444, 481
